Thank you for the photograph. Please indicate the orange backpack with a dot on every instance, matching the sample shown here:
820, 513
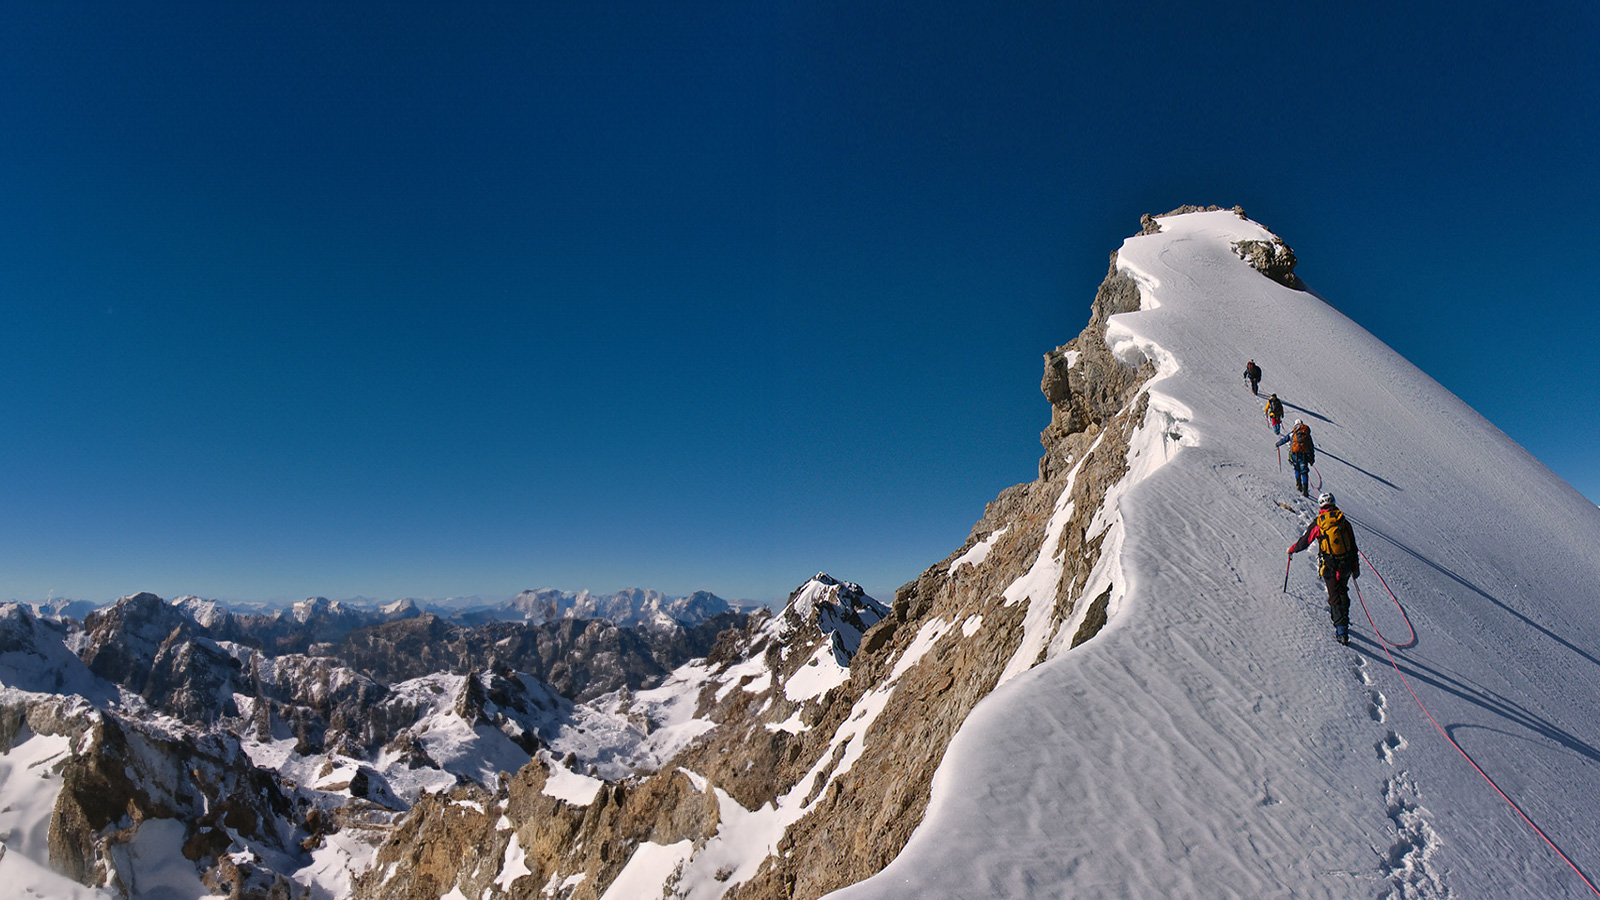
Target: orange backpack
1300, 440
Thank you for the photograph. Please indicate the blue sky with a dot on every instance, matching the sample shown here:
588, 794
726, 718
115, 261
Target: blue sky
419, 300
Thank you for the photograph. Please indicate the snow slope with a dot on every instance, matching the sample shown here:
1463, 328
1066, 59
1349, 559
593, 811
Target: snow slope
1213, 741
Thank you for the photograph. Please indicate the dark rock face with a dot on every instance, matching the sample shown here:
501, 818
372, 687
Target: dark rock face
581, 659
159, 653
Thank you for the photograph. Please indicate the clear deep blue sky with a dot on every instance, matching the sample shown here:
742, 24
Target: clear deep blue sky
429, 300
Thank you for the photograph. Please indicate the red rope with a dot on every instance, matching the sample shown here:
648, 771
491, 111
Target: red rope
1410, 639
1384, 643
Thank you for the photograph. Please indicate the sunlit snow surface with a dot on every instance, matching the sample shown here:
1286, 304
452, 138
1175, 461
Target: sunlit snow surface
1213, 741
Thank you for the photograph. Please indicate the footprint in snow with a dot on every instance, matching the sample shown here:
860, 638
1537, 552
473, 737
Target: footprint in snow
1387, 747
1377, 706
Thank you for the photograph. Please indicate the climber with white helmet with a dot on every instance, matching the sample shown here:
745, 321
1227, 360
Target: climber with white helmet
1338, 560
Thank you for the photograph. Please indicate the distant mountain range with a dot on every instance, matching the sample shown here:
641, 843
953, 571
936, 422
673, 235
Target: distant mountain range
630, 607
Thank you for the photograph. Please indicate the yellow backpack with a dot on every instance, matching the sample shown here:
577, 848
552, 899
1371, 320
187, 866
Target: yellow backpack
1337, 538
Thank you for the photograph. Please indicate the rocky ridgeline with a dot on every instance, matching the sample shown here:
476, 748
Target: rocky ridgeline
835, 775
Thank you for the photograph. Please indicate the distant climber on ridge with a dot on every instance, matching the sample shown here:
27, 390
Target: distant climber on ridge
1338, 560
1252, 374
1275, 413
1302, 454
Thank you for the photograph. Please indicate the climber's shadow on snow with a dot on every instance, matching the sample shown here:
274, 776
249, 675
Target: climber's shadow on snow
1480, 697
1288, 405
1477, 590
1379, 479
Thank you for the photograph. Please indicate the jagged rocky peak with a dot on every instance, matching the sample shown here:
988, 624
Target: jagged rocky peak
134, 627
840, 610
155, 650
126, 782
697, 608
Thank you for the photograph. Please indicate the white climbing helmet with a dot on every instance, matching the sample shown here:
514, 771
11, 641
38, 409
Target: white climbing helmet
1298, 423
1325, 501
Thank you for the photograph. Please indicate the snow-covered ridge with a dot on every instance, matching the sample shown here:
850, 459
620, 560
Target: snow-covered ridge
1213, 740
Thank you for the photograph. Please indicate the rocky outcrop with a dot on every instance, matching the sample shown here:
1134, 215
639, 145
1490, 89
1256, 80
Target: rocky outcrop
1084, 383
1271, 258
525, 841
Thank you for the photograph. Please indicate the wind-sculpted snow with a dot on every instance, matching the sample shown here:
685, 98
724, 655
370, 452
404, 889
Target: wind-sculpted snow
1213, 741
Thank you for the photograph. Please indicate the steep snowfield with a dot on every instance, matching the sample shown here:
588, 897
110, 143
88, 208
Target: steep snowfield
1213, 741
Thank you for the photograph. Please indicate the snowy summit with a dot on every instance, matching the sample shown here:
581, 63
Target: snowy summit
1213, 740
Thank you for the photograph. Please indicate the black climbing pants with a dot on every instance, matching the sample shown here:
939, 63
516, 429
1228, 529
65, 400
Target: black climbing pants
1338, 598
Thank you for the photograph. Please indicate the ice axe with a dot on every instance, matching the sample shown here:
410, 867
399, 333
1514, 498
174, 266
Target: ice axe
1286, 573
1280, 457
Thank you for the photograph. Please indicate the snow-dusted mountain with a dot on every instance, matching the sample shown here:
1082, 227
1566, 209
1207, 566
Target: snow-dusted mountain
630, 608
1110, 689
325, 750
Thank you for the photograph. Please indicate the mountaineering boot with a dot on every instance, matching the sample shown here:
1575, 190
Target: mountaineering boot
1342, 635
